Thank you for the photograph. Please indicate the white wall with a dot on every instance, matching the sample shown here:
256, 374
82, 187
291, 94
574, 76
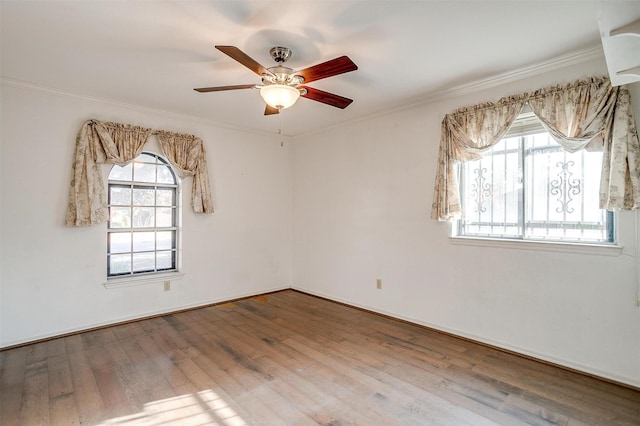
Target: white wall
361, 203
51, 278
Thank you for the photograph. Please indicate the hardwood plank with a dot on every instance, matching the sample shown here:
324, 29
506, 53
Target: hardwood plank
89, 404
63, 411
37, 352
143, 381
12, 378
111, 369
35, 407
62, 403
156, 349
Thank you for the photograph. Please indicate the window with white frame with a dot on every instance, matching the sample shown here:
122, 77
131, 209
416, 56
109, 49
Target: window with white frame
527, 187
142, 234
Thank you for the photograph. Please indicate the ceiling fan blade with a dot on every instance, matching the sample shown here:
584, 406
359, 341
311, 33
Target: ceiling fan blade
269, 110
221, 88
330, 68
244, 59
326, 97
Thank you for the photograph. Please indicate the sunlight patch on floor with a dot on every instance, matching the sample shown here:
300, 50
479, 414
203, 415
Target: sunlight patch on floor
202, 408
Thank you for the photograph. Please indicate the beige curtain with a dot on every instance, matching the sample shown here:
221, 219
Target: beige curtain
186, 153
465, 134
588, 114
620, 183
594, 115
99, 142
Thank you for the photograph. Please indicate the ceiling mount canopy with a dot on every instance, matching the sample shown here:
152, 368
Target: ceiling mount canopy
280, 54
282, 86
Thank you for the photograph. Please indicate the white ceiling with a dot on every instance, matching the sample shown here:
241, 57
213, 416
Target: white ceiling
153, 53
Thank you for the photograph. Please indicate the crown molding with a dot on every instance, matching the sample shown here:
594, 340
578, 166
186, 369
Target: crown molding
559, 62
556, 63
30, 86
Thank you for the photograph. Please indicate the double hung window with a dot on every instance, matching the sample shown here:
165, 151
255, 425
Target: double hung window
142, 234
527, 187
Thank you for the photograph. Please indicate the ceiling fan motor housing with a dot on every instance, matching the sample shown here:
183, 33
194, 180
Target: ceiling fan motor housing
282, 75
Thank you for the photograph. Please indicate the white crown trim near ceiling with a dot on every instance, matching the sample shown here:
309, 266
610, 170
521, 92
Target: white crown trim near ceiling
563, 61
519, 74
30, 86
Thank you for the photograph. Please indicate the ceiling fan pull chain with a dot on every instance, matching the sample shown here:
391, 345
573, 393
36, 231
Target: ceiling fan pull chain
280, 130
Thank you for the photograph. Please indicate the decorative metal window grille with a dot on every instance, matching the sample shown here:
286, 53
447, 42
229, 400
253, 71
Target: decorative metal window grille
528, 187
142, 233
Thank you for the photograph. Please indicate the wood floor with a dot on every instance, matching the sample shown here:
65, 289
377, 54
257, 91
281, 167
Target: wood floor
292, 359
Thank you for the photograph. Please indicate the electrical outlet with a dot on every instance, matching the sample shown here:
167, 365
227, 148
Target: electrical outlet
167, 285
378, 283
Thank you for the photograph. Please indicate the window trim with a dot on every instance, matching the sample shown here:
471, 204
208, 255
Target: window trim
142, 279
132, 279
603, 249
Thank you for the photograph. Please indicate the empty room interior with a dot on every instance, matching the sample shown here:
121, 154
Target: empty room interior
358, 212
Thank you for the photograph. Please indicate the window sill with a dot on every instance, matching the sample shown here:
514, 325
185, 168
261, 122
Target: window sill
130, 281
553, 246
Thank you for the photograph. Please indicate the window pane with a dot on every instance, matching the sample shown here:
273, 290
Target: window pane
144, 262
119, 217
165, 175
119, 242
119, 264
146, 158
144, 172
165, 197
165, 260
144, 241
562, 201
143, 196
491, 191
120, 173
143, 217
165, 240
119, 196
165, 217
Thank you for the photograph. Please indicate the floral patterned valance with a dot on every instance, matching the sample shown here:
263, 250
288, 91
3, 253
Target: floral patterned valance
114, 143
589, 114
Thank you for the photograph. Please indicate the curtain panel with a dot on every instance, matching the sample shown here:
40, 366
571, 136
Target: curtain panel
99, 142
114, 143
186, 153
586, 114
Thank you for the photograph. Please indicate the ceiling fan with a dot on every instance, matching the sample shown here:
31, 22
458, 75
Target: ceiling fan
282, 86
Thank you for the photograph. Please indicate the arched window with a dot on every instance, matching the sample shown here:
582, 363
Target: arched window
142, 234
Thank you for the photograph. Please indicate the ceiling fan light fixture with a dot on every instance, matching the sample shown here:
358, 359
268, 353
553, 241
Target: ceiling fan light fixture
279, 96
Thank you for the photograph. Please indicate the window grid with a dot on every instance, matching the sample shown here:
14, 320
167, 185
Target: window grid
142, 235
513, 204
